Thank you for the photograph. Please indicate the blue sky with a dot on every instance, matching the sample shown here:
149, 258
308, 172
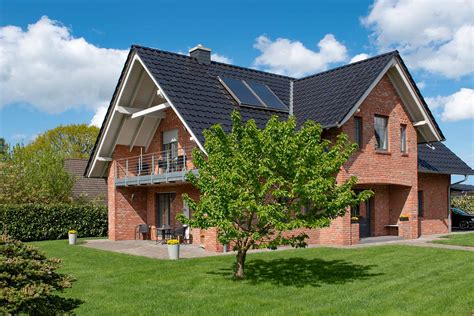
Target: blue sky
61, 59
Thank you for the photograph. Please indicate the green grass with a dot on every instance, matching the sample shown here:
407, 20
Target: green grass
384, 280
457, 240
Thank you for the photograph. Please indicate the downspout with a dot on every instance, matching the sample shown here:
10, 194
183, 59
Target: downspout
449, 201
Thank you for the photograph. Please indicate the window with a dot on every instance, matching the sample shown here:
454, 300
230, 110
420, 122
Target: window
403, 138
170, 149
358, 131
381, 133
420, 203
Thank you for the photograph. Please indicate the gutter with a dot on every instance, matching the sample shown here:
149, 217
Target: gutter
449, 201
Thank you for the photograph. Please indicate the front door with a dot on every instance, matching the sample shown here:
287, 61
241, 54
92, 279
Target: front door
364, 222
163, 209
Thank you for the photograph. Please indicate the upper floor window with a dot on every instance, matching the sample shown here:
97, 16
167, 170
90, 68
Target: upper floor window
381, 132
403, 138
358, 130
170, 143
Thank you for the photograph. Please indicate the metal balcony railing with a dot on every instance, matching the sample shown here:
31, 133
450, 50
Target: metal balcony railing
165, 166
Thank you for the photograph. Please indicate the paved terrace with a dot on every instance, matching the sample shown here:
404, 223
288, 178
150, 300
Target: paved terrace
151, 249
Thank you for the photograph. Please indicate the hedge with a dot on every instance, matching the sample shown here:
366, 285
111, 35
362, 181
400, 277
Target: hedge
30, 222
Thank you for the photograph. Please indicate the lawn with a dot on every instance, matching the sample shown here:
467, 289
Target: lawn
388, 280
458, 240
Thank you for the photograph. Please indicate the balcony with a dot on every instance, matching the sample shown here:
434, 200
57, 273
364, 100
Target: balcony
155, 168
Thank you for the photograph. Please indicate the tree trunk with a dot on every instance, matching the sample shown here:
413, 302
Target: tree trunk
240, 265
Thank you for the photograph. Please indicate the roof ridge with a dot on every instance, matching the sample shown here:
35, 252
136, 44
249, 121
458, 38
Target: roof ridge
214, 62
394, 52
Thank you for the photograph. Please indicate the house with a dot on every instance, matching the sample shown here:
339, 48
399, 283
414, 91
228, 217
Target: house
164, 101
86, 189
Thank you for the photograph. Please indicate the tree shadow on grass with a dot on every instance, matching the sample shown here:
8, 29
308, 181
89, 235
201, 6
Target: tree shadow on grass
300, 272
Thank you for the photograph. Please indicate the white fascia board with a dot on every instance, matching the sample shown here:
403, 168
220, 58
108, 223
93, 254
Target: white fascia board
104, 159
367, 92
172, 106
150, 110
417, 100
113, 112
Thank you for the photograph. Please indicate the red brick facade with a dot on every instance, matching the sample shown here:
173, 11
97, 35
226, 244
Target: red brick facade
391, 174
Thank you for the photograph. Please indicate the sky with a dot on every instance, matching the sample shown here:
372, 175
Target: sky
60, 60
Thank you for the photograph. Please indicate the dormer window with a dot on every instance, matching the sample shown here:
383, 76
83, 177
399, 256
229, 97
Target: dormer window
381, 132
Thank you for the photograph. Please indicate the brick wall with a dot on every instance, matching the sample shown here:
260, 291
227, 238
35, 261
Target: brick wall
435, 197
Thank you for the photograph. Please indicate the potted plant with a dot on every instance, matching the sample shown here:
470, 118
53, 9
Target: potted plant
173, 249
72, 236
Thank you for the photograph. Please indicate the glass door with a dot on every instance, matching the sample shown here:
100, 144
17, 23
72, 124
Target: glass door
163, 209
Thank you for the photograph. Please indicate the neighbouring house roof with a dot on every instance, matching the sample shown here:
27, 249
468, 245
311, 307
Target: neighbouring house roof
91, 189
463, 188
437, 158
194, 91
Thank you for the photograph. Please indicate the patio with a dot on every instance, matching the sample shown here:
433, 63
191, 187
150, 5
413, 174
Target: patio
146, 248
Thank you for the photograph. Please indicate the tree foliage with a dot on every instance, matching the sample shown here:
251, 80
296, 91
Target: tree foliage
30, 176
256, 184
72, 141
465, 203
29, 282
35, 173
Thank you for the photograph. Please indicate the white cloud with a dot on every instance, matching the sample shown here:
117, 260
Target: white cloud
99, 116
455, 107
421, 84
53, 71
359, 57
292, 58
434, 35
221, 58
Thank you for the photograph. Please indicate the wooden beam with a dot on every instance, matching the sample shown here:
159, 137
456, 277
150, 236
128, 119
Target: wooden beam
104, 159
420, 123
140, 125
150, 110
150, 137
128, 110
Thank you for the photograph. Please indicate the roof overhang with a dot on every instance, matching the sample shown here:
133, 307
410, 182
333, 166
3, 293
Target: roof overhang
133, 116
423, 121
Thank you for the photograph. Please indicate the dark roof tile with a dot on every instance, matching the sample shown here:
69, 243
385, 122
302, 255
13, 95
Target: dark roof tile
437, 158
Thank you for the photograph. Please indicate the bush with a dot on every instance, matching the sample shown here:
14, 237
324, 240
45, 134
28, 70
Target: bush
465, 203
28, 282
29, 222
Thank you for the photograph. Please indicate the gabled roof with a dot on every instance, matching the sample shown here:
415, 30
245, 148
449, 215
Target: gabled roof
197, 94
194, 92
328, 96
437, 158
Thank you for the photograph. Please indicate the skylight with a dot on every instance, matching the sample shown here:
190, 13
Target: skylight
254, 94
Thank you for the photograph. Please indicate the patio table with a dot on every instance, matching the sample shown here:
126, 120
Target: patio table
165, 232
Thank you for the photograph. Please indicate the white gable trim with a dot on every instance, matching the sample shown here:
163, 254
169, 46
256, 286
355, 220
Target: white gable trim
112, 115
190, 131
366, 93
123, 111
426, 121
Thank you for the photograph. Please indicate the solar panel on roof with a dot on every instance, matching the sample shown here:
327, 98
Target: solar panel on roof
267, 96
241, 92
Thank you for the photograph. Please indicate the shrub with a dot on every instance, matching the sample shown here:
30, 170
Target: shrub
465, 203
29, 222
28, 281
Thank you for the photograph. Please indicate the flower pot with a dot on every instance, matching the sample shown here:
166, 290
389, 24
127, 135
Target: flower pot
173, 252
72, 239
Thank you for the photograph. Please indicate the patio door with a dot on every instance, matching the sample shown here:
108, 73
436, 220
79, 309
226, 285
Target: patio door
365, 229
163, 209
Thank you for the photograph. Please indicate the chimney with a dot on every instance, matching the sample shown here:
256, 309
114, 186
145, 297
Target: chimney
201, 53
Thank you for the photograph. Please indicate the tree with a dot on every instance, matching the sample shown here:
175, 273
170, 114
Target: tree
256, 184
30, 176
72, 141
28, 281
